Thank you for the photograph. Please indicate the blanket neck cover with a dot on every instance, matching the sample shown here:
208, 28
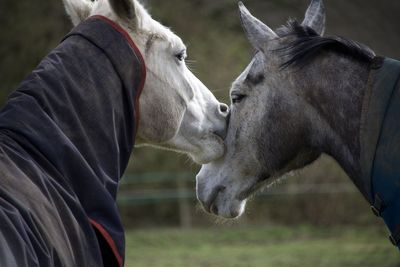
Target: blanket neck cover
66, 136
380, 143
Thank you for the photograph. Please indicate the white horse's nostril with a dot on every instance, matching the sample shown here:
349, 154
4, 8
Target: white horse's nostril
222, 115
223, 109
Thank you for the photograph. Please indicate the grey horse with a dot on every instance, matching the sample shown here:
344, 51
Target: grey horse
302, 95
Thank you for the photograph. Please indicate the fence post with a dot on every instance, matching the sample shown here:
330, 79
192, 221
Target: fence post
185, 217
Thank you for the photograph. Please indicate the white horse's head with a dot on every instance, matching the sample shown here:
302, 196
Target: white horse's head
176, 110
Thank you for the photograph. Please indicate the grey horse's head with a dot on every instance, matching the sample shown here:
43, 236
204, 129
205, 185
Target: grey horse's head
270, 131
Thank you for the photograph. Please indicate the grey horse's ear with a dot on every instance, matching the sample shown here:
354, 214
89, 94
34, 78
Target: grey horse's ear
315, 17
257, 32
125, 9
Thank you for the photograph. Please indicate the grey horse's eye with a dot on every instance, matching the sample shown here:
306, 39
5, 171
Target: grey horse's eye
236, 98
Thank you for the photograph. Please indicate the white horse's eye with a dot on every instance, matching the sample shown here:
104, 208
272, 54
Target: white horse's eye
181, 56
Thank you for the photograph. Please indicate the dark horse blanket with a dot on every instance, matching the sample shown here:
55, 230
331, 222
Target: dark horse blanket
66, 135
380, 143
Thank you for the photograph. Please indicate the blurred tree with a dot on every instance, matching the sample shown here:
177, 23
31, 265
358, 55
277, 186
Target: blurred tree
29, 30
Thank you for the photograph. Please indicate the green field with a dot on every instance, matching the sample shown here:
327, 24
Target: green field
272, 246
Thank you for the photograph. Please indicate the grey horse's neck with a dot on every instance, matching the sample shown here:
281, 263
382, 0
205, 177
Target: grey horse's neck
337, 99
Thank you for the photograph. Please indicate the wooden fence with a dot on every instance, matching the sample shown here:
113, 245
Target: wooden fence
150, 188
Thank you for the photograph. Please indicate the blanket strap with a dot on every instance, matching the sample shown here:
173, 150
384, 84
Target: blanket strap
395, 237
378, 206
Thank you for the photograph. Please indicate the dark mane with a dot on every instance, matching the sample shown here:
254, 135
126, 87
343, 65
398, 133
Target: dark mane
309, 44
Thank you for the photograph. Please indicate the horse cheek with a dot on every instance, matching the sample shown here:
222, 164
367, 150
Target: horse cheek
162, 118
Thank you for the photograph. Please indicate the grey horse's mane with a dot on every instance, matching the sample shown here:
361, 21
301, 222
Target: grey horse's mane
308, 44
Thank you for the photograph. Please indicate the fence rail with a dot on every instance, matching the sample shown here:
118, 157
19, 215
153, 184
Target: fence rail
182, 191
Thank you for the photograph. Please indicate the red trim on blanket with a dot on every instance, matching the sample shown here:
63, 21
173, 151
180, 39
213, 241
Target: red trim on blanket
143, 65
109, 241
118, 28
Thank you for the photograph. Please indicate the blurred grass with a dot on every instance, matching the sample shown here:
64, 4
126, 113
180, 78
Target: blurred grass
270, 246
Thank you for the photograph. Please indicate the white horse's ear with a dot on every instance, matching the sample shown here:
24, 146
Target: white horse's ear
257, 32
315, 17
77, 10
124, 9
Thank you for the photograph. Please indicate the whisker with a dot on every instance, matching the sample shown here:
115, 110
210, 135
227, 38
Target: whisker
219, 90
190, 65
189, 161
193, 70
191, 61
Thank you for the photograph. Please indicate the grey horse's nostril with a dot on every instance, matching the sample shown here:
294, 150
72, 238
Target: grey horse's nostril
209, 205
214, 209
235, 213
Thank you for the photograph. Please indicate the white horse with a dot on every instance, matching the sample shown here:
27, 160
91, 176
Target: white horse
67, 132
177, 111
